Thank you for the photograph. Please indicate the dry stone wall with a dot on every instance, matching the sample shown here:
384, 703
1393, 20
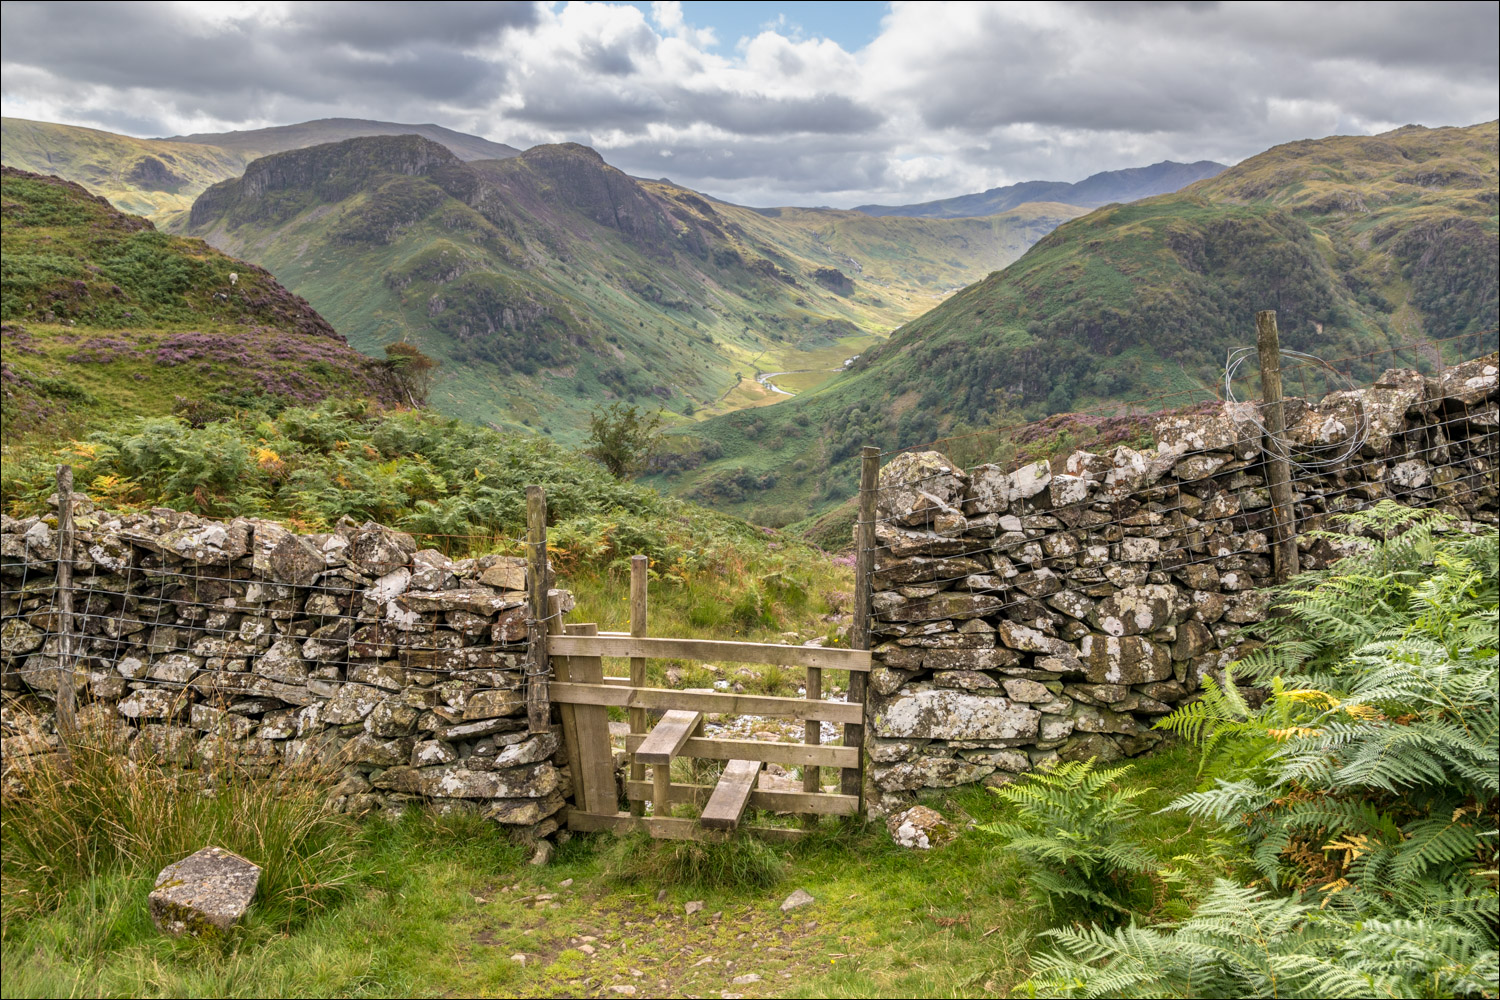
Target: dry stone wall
243, 642
1060, 609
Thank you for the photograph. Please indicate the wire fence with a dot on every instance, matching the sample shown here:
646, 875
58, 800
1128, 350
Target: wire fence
1207, 506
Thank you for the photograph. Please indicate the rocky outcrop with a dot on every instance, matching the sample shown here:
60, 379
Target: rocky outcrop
1059, 609
244, 643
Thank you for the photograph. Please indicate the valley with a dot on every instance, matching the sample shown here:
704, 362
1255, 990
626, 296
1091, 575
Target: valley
1360, 243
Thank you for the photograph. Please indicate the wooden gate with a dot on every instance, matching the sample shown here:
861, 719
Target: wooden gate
667, 723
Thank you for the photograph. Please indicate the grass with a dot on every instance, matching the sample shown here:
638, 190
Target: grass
442, 905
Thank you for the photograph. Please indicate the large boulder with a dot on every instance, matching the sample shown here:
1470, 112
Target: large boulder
204, 894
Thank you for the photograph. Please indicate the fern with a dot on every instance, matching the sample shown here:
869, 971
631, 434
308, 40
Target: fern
1378, 748
1069, 826
1242, 942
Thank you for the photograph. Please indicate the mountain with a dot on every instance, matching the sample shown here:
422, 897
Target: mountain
550, 282
1099, 189
251, 144
1360, 243
159, 177
105, 317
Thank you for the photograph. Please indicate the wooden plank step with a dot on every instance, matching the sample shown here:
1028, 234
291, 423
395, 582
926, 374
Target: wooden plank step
667, 739
731, 795
710, 649
798, 754
821, 803
722, 703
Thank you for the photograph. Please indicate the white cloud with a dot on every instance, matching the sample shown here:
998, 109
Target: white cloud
948, 98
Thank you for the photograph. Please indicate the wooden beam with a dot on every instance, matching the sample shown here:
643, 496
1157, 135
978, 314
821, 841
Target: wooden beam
667, 739
638, 612
731, 795
821, 803
543, 624
596, 775
670, 828
67, 694
713, 702
812, 730
852, 781
713, 649
780, 753
1278, 469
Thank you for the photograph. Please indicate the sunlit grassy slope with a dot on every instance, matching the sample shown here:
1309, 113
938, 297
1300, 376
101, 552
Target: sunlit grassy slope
105, 317
1359, 243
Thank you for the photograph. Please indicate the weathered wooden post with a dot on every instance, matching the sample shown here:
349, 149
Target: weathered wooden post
859, 633
1278, 469
66, 694
638, 611
543, 619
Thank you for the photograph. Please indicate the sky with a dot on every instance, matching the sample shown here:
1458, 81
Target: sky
777, 103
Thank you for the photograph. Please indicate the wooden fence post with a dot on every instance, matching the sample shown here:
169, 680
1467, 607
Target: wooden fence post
538, 583
853, 782
66, 693
638, 611
1278, 469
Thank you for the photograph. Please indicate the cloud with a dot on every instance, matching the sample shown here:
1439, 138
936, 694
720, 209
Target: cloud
947, 98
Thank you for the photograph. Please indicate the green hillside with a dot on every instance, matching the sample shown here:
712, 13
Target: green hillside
160, 177
1359, 243
106, 317
550, 281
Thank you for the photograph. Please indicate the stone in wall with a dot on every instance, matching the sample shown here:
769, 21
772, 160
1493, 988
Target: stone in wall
243, 643
1058, 610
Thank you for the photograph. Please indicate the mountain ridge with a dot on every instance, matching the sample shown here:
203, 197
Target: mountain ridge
160, 177
552, 278
1129, 184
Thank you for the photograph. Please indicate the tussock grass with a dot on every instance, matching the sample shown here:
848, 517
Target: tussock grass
740, 863
124, 811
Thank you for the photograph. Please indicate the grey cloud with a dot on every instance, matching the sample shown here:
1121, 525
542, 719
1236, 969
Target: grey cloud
1049, 92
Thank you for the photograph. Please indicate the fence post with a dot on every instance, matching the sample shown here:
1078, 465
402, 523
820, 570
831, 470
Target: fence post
538, 702
66, 694
853, 782
1278, 469
638, 609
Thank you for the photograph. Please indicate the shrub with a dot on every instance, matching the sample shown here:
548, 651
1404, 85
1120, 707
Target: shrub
1374, 761
622, 438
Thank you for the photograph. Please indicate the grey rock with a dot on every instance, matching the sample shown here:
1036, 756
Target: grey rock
204, 894
947, 714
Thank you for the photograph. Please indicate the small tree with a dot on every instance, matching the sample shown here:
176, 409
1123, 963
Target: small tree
411, 369
622, 438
